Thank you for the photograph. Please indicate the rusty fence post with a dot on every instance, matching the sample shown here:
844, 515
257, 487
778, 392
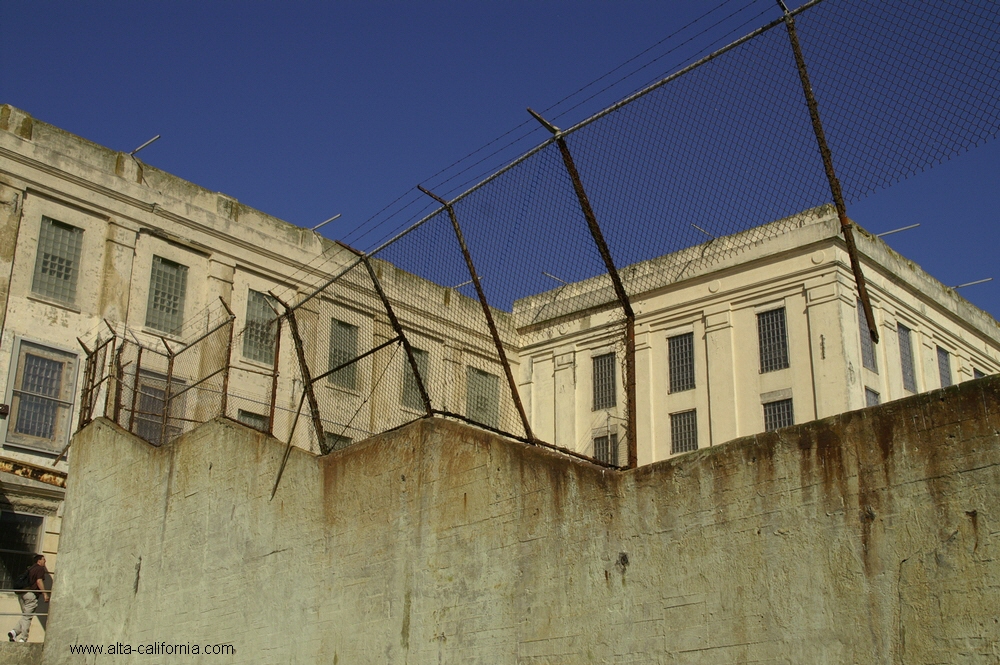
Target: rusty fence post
831, 175
166, 392
397, 328
486, 312
135, 389
88, 381
609, 264
229, 358
307, 382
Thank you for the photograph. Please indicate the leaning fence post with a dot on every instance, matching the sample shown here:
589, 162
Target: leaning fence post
307, 383
397, 328
602, 248
831, 175
88, 381
486, 312
229, 358
166, 392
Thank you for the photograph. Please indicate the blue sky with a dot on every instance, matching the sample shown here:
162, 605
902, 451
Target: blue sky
305, 110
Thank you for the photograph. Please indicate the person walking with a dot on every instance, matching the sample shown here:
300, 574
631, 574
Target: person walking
29, 599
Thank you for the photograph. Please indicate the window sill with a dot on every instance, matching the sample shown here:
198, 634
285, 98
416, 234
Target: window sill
54, 303
256, 364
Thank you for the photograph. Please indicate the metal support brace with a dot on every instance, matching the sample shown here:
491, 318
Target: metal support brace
824, 150
166, 393
397, 328
486, 312
307, 383
602, 247
229, 358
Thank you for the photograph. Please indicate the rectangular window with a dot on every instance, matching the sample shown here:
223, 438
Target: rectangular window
606, 448
19, 543
57, 263
944, 367
332, 442
867, 347
976, 374
680, 351
167, 290
151, 402
254, 420
482, 394
42, 398
604, 381
772, 337
259, 332
777, 415
906, 358
343, 348
683, 432
872, 398
411, 391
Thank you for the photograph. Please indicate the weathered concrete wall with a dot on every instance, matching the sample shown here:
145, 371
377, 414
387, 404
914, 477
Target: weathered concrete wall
869, 537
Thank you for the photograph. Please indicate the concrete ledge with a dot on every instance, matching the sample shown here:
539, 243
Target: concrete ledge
21, 654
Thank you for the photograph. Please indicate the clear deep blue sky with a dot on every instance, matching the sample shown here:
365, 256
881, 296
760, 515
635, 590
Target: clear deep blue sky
307, 109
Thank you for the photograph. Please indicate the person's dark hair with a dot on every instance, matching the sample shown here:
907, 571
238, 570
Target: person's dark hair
39, 557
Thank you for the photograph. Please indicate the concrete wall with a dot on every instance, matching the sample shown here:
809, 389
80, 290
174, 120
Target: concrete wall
868, 537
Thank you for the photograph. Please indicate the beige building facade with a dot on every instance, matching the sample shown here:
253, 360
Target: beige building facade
94, 241
744, 334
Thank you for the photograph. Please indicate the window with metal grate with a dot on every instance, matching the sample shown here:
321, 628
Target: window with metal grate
42, 397
167, 290
778, 414
680, 353
482, 392
606, 448
57, 263
944, 367
867, 347
343, 348
411, 392
906, 357
333, 442
683, 431
254, 420
872, 398
604, 381
259, 332
773, 340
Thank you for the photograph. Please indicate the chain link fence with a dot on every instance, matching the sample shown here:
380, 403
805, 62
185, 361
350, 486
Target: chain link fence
824, 104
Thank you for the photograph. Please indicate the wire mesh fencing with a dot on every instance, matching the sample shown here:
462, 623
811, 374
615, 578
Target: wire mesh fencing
509, 304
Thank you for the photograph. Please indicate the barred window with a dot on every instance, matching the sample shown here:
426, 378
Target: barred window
482, 393
260, 329
777, 415
42, 397
906, 358
255, 420
773, 340
343, 348
867, 347
332, 442
411, 391
167, 290
19, 543
604, 381
606, 448
152, 401
683, 432
872, 398
680, 351
57, 263
944, 367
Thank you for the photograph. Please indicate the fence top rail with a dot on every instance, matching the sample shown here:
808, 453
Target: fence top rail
560, 133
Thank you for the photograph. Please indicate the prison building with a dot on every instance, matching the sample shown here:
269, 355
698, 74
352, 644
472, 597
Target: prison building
740, 335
